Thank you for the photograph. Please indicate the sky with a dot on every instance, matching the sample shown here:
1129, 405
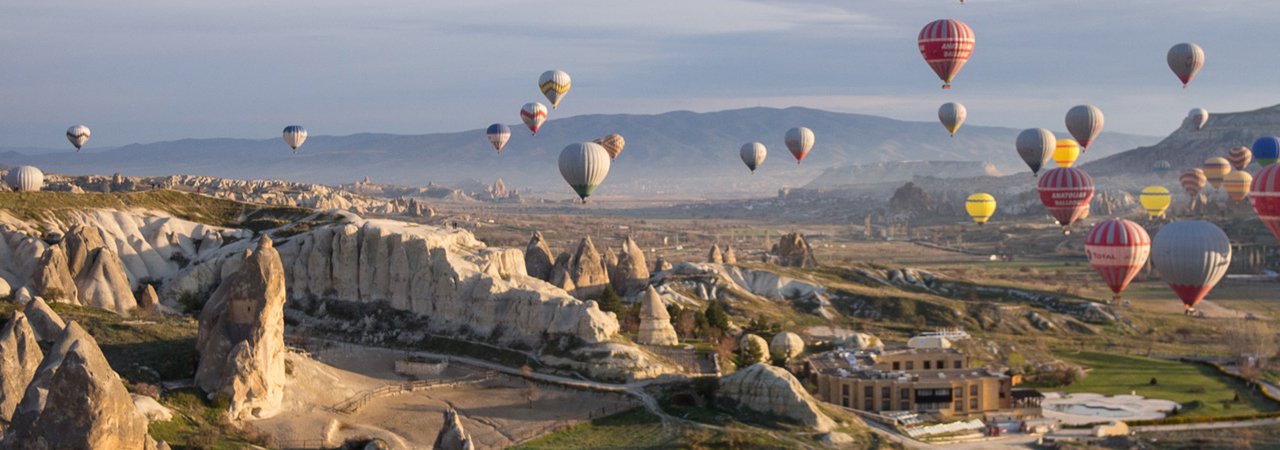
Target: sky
155, 70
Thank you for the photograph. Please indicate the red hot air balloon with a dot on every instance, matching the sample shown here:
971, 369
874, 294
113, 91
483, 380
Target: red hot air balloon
1066, 193
1265, 197
1117, 249
946, 45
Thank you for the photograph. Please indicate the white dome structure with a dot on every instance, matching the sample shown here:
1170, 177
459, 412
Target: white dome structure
25, 179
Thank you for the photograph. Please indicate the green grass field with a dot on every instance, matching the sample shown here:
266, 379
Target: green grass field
1200, 389
634, 428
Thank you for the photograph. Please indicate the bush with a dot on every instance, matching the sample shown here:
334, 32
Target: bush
611, 302
717, 316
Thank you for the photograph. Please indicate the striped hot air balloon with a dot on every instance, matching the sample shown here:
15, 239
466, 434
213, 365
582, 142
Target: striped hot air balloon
533, 114
1156, 200
952, 116
946, 45
554, 85
1192, 256
1237, 183
1066, 193
1084, 122
25, 179
1266, 197
753, 154
498, 134
584, 166
1193, 181
78, 135
1117, 249
980, 207
1239, 157
1266, 150
1065, 152
1197, 118
294, 136
799, 141
1035, 146
1215, 170
1185, 60
613, 143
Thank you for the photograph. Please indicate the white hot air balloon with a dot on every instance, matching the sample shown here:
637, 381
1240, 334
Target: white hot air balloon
584, 166
952, 116
1198, 117
533, 114
78, 135
25, 179
753, 154
295, 135
554, 84
799, 141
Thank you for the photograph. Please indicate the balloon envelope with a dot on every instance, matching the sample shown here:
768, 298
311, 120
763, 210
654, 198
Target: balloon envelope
584, 166
1066, 193
554, 85
1198, 117
1266, 150
1239, 157
799, 141
1065, 152
1265, 197
753, 154
498, 134
1215, 170
946, 45
1035, 146
25, 179
533, 114
1237, 184
1117, 249
1185, 60
980, 207
1155, 199
1084, 122
1161, 166
295, 135
1192, 256
1192, 181
613, 143
78, 135
952, 116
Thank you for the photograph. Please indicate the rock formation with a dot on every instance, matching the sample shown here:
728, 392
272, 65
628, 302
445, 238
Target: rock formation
452, 436
715, 256
655, 322
78, 241
241, 337
786, 345
753, 349
774, 391
661, 264
53, 280
793, 251
75, 401
537, 258
22, 296
587, 271
148, 301
859, 341
611, 266
43, 320
632, 273
19, 357
730, 257
103, 283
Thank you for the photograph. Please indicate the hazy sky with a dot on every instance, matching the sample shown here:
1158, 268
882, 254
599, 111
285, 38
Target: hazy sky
150, 70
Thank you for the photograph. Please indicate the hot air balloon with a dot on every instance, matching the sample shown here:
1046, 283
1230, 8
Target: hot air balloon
1185, 60
1161, 166
952, 116
295, 135
78, 135
584, 166
799, 141
1155, 199
1035, 145
980, 207
25, 179
1237, 183
1266, 197
1193, 181
1066, 193
554, 85
1239, 157
1084, 122
1065, 152
498, 135
1192, 256
753, 154
1266, 150
613, 144
1117, 249
1215, 170
1198, 117
946, 45
533, 114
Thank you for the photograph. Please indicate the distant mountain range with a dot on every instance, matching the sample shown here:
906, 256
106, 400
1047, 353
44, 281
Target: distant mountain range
665, 153
1187, 147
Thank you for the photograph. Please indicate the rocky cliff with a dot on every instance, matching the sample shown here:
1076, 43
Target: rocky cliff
452, 436
19, 358
772, 390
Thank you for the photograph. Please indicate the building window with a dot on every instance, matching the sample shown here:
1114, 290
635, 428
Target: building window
957, 364
844, 390
973, 404
868, 392
868, 404
895, 365
884, 393
926, 365
942, 364
911, 365
904, 405
904, 394
973, 390
957, 393
885, 405
957, 406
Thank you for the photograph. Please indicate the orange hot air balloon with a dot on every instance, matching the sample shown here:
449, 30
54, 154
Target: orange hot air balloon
613, 144
1237, 183
1216, 170
1240, 157
1193, 181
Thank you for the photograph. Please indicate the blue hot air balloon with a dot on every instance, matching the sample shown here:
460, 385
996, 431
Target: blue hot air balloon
1266, 150
498, 135
295, 135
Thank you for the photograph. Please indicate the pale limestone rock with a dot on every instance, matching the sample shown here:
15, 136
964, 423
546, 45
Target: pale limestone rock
860, 341
5, 288
44, 321
714, 256
79, 241
655, 322
346, 263
774, 391
587, 270
19, 357
632, 272
751, 344
399, 274
151, 409
149, 301
22, 296
103, 283
794, 251
560, 272
611, 266
660, 264
370, 253
537, 257
320, 274
53, 279
452, 436
786, 345
241, 337
730, 257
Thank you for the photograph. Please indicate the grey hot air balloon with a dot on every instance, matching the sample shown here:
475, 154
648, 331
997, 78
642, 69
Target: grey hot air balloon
1035, 146
799, 141
1198, 117
1185, 60
1084, 122
25, 179
78, 135
584, 166
952, 116
1192, 256
753, 154
294, 136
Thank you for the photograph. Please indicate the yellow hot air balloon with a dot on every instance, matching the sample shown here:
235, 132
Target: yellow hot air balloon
1155, 199
980, 207
1216, 170
1238, 183
1066, 152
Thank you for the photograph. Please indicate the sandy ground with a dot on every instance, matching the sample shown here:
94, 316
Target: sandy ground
496, 412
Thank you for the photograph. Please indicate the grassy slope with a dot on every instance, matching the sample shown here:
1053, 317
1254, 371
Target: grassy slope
193, 207
1180, 382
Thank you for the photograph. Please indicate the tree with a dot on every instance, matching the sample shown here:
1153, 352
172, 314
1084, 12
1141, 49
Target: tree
716, 315
610, 301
